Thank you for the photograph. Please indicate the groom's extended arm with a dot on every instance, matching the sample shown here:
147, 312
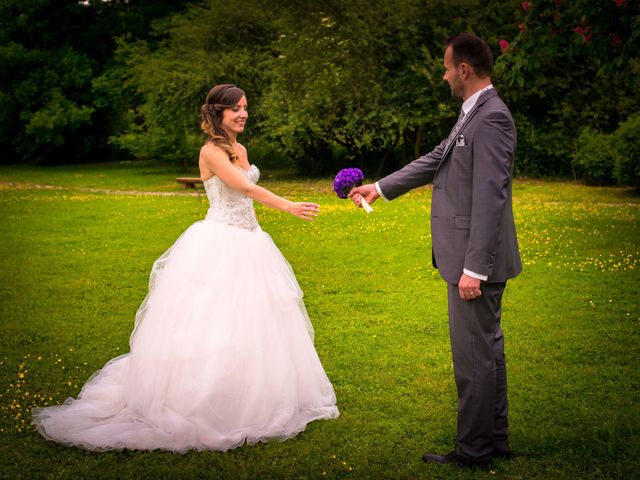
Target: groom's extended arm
415, 174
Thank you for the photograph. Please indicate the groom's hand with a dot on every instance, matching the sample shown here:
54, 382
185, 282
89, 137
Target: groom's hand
469, 287
368, 191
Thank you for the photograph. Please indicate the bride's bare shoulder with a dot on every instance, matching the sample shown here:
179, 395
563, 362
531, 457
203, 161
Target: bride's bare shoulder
210, 149
211, 159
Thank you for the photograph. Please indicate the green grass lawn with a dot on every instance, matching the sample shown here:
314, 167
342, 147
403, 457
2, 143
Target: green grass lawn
75, 265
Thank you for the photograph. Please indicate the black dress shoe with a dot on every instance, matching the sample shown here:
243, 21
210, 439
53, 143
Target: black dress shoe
452, 458
503, 454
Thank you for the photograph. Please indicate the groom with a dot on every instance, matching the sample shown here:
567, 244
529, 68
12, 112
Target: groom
474, 239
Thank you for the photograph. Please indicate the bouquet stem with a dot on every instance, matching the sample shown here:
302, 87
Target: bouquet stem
365, 205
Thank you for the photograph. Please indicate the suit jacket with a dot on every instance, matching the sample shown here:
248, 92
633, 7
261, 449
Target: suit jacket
472, 222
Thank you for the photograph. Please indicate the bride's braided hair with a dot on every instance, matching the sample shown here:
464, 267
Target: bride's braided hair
219, 97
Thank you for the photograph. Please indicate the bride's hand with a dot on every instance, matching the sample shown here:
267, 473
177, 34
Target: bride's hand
304, 210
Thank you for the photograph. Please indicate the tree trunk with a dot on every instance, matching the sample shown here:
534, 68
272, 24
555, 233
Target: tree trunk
418, 142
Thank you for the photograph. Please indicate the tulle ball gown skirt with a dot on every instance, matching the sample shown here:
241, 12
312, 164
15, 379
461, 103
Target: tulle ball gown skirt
221, 355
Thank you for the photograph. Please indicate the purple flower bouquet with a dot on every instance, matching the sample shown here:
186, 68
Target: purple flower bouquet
345, 180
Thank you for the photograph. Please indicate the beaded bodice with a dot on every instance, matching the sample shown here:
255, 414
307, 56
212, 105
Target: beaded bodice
229, 206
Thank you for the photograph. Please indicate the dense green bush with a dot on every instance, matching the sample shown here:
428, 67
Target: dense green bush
627, 152
595, 157
541, 152
603, 158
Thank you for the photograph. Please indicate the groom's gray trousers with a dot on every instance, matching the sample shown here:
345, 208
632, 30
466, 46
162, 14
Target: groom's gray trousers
477, 346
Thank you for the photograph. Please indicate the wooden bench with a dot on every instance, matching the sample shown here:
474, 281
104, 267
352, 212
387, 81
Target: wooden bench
189, 182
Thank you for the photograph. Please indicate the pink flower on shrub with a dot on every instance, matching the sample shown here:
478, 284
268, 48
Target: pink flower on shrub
620, 3
522, 27
504, 45
616, 41
584, 32
526, 6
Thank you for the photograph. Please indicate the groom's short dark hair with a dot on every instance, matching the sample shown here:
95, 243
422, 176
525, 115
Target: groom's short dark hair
472, 50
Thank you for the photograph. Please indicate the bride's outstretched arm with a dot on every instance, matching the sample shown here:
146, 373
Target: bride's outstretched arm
218, 162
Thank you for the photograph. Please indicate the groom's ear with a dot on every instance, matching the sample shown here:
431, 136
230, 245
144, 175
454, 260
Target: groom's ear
465, 70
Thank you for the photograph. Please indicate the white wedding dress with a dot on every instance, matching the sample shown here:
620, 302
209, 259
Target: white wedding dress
221, 354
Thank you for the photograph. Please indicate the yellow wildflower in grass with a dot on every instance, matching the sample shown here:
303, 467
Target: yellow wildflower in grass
18, 399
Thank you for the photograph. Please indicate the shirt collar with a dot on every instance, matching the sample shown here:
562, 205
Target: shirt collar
470, 102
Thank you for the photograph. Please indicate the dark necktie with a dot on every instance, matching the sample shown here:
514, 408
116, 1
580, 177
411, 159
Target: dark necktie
456, 128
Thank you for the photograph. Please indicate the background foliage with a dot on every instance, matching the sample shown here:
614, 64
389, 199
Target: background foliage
330, 83
572, 65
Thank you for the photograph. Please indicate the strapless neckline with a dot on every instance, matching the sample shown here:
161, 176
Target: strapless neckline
245, 170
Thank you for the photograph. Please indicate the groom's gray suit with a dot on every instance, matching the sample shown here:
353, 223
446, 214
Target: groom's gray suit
472, 228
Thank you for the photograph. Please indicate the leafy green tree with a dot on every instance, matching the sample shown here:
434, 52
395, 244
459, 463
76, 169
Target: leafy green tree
569, 65
215, 42
329, 82
336, 84
363, 80
45, 81
51, 52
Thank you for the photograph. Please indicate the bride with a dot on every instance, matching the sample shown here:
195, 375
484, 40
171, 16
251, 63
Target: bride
222, 350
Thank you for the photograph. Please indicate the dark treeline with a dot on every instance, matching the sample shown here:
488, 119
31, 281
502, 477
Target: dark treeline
330, 83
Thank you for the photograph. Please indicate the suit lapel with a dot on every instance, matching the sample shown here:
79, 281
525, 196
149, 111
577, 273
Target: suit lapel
465, 121
467, 118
